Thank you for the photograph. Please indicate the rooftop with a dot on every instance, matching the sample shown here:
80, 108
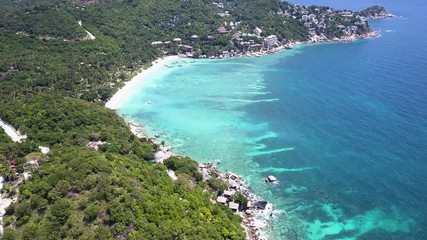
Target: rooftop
222, 29
228, 193
221, 199
233, 205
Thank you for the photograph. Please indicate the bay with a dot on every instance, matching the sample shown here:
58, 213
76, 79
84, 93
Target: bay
343, 126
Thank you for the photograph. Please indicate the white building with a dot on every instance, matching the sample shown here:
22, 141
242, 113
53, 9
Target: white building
44, 150
270, 41
221, 199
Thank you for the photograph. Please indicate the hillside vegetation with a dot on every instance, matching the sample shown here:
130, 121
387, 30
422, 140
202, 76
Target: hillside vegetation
81, 193
45, 47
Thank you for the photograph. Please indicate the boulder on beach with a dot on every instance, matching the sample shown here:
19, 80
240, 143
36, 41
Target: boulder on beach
261, 204
232, 184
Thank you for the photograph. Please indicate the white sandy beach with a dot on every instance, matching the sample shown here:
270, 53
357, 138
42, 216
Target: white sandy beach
117, 100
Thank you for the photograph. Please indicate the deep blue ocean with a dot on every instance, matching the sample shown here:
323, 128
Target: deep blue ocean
343, 126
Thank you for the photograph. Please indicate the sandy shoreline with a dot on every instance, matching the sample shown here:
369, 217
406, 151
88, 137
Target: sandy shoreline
123, 93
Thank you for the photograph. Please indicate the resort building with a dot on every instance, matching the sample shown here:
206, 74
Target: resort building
257, 31
222, 199
270, 41
233, 206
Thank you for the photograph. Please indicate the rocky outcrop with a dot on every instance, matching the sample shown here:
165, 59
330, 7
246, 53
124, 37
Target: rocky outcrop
375, 12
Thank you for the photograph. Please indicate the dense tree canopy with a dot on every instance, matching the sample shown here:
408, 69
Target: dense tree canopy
81, 193
4, 138
44, 47
84, 194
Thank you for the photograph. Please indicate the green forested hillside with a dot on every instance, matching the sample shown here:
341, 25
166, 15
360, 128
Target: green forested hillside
46, 47
78, 192
54, 119
3, 136
81, 193
43, 47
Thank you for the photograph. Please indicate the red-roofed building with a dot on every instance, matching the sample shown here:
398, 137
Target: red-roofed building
222, 30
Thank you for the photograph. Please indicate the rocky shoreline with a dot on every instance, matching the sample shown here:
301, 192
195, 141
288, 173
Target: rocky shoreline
314, 39
287, 46
256, 215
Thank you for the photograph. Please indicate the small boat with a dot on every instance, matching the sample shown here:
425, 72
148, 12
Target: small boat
272, 180
149, 102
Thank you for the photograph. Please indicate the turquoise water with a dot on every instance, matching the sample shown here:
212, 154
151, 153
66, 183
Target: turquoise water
342, 126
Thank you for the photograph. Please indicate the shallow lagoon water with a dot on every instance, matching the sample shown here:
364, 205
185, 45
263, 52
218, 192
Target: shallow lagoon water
342, 126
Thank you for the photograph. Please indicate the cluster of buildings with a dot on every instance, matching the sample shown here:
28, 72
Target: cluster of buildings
256, 213
317, 21
321, 24
234, 184
18, 176
243, 43
225, 199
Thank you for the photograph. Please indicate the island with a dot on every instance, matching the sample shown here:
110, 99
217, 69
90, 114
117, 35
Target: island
80, 172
